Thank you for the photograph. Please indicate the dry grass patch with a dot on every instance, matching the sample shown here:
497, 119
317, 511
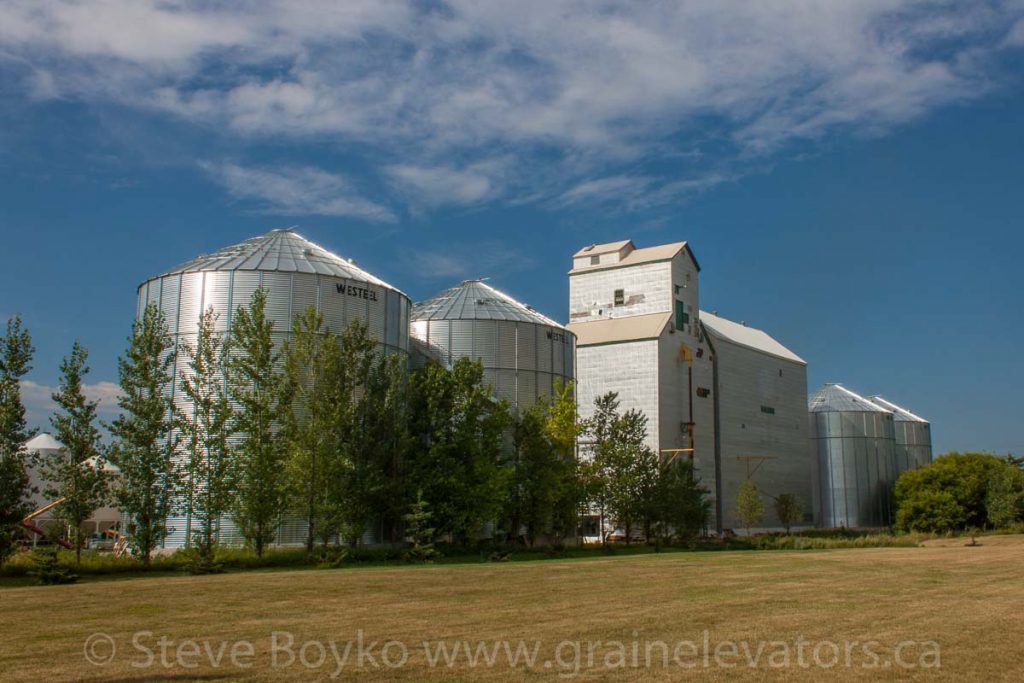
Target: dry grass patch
965, 598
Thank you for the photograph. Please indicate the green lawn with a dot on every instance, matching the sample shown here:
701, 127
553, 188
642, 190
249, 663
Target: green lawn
582, 617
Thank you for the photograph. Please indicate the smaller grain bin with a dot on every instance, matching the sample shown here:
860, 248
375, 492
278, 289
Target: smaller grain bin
523, 352
854, 442
913, 437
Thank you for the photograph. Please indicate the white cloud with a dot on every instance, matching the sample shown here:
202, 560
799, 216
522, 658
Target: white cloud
564, 92
634, 192
1016, 35
296, 191
438, 185
39, 405
466, 260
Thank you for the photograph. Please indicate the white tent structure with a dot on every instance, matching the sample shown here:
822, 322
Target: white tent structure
44, 445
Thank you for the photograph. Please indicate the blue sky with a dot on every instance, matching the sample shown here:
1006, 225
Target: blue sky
848, 173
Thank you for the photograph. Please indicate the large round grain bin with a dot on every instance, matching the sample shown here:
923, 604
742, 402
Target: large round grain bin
523, 352
913, 437
854, 441
296, 274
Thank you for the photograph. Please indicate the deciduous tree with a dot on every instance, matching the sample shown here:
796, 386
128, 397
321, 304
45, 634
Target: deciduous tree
749, 506
145, 441
681, 505
311, 358
789, 509
458, 460
205, 426
256, 387
75, 474
15, 361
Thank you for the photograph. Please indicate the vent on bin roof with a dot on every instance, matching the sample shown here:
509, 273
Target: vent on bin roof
836, 398
475, 300
281, 251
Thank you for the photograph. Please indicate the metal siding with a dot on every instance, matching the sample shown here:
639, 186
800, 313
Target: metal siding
506, 338
545, 382
526, 341
505, 385
332, 304
440, 337
462, 339
485, 342
526, 386
856, 468
215, 296
191, 303
393, 321
243, 286
376, 313
403, 326
305, 293
279, 296
747, 380
169, 299
545, 349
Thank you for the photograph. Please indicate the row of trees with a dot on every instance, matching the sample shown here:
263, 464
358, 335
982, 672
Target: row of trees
75, 476
328, 429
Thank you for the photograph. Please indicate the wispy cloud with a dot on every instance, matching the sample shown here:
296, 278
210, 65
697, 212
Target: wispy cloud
463, 261
297, 191
439, 185
564, 92
637, 192
39, 405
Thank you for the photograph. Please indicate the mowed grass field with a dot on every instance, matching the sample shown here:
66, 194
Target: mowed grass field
582, 617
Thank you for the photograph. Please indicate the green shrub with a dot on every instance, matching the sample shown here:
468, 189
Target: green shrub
817, 542
1004, 500
48, 569
197, 562
931, 511
949, 493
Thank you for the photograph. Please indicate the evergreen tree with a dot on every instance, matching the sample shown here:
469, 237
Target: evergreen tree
144, 437
75, 475
256, 387
749, 506
789, 510
15, 361
205, 427
419, 532
311, 360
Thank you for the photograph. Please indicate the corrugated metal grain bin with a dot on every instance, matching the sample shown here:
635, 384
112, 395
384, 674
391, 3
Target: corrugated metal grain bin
296, 274
855, 441
523, 352
913, 437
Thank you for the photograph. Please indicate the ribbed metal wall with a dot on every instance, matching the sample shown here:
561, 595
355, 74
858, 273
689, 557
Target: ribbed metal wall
856, 465
183, 296
522, 360
913, 445
913, 436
